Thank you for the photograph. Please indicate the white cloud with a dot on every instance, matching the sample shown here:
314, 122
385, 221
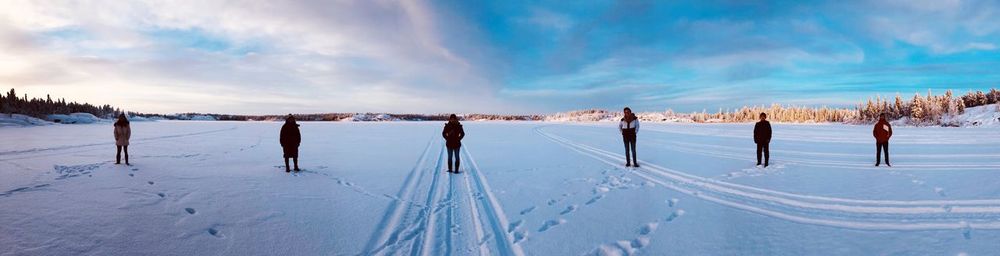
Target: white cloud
324, 56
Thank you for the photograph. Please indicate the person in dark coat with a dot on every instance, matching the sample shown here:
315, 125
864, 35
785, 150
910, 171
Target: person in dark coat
290, 139
629, 127
123, 132
453, 134
882, 133
762, 136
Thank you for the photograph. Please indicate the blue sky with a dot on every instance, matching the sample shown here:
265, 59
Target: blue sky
256, 57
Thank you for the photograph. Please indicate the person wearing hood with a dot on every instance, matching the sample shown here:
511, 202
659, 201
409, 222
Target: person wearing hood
629, 126
882, 133
290, 139
762, 137
123, 132
453, 134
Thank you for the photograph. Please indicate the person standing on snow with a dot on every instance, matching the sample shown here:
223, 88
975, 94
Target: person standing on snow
629, 126
762, 136
290, 139
882, 133
453, 134
123, 132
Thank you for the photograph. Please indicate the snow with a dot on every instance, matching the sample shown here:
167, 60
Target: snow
988, 115
17, 120
525, 188
74, 118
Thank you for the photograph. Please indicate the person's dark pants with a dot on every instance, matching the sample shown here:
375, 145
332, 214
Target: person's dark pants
118, 157
453, 154
293, 153
764, 148
879, 147
629, 139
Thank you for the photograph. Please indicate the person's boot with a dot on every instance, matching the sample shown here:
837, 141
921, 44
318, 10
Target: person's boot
636, 165
287, 169
765, 165
887, 164
628, 164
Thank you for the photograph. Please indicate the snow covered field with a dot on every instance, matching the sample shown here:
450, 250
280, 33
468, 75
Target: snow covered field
531, 188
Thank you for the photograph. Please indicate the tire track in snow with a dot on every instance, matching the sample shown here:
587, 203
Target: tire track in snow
745, 198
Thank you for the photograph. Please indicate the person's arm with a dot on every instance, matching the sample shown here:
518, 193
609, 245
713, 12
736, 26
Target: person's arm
875, 131
117, 136
621, 126
890, 131
128, 132
444, 132
636, 125
768, 132
296, 137
461, 133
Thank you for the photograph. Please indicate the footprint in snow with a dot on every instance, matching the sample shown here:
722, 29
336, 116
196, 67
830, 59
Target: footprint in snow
150, 182
131, 175
189, 210
672, 202
514, 226
648, 228
162, 195
595, 199
678, 213
551, 223
527, 210
966, 230
215, 232
520, 236
569, 209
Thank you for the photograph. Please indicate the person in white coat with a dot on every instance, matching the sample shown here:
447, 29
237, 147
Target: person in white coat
629, 126
123, 131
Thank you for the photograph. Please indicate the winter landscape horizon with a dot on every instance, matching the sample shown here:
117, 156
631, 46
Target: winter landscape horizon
444, 127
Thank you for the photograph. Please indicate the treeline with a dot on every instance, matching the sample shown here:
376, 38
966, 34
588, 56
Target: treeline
10, 103
924, 110
778, 113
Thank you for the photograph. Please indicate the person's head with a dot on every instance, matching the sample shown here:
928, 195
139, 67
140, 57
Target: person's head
122, 120
627, 111
763, 116
290, 119
881, 117
453, 118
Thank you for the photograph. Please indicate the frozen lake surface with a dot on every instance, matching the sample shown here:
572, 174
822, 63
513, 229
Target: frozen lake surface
526, 188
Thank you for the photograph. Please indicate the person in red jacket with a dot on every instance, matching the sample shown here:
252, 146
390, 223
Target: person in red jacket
882, 133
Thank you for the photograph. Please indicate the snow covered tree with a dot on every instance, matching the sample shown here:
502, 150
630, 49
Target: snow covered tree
917, 108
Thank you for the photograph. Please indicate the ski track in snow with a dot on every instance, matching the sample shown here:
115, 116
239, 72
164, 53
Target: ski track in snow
736, 155
826, 211
462, 216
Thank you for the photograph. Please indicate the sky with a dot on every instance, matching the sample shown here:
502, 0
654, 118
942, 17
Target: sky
508, 57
